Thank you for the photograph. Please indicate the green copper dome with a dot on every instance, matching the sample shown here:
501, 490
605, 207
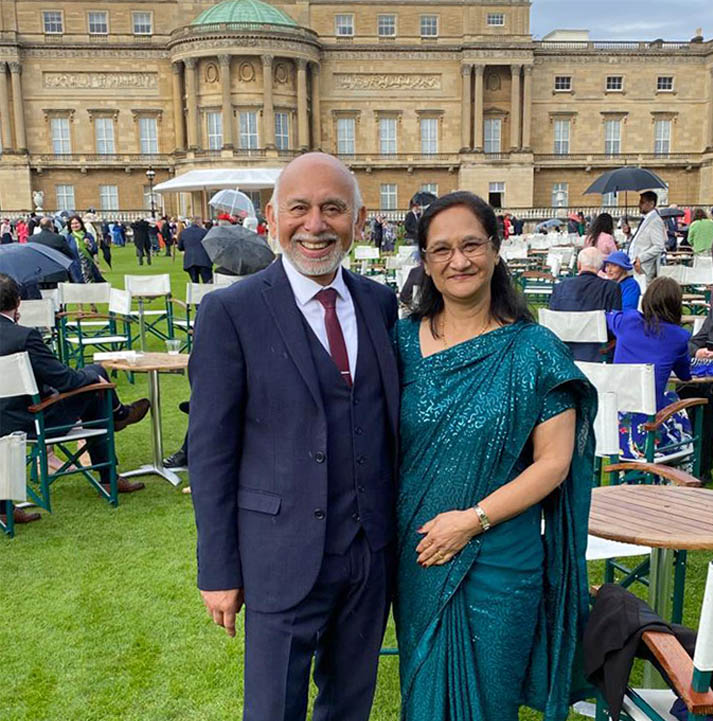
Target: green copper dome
244, 11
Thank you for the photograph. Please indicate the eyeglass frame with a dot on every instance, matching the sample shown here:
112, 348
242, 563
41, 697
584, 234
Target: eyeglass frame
452, 250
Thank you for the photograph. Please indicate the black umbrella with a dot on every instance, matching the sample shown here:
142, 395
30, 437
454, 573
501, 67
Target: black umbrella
423, 197
671, 213
626, 178
237, 249
31, 262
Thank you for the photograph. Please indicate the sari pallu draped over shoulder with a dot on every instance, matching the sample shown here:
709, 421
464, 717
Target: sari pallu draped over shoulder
478, 403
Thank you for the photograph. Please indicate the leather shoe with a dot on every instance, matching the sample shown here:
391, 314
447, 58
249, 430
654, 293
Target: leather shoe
21, 516
136, 411
124, 485
176, 460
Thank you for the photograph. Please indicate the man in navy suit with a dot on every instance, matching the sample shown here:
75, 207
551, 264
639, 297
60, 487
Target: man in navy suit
195, 259
292, 431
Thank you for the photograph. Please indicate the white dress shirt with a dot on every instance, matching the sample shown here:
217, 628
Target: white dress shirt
305, 290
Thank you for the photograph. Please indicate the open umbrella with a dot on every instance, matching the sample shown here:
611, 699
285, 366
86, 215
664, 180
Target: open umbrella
626, 178
237, 249
31, 262
547, 224
232, 202
423, 197
671, 213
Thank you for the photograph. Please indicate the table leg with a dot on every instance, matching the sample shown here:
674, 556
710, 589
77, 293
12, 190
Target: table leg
142, 325
157, 467
660, 577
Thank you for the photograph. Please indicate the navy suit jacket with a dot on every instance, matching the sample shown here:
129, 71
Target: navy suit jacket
194, 254
258, 432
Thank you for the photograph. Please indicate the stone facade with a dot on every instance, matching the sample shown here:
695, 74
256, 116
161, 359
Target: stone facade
446, 95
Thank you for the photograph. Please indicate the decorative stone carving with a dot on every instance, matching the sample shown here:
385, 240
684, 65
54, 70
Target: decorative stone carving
100, 81
15, 67
282, 74
493, 81
387, 81
246, 72
211, 74
38, 198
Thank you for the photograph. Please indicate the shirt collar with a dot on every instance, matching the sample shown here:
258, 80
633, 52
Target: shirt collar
305, 288
5, 315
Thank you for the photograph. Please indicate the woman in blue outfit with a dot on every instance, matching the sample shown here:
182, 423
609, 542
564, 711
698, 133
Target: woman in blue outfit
653, 336
488, 609
618, 267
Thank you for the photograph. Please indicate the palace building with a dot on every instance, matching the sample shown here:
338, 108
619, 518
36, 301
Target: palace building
412, 94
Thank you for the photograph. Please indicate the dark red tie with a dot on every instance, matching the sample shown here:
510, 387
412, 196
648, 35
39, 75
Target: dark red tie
335, 337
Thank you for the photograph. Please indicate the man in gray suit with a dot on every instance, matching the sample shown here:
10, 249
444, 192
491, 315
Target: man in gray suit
650, 238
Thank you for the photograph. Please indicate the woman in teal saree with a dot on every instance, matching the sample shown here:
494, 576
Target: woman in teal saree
496, 434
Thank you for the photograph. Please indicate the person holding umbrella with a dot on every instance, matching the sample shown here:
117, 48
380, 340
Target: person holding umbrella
650, 238
195, 259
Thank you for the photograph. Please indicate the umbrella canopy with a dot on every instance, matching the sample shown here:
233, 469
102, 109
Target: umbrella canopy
423, 197
31, 262
671, 213
233, 202
626, 178
237, 249
547, 224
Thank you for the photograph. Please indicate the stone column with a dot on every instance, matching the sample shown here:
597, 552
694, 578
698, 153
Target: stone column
478, 109
5, 127
226, 87
466, 107
316, 111
268, 104
192, 102
178, 118
515, 107
709, 113
302, 127
17, 106
527, 109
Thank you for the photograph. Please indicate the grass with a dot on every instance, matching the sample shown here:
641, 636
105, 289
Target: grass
100, 619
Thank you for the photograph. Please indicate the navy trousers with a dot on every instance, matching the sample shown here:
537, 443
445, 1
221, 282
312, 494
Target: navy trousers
341, 624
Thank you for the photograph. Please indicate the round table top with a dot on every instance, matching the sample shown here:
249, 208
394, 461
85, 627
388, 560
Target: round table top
659, 516
149, 362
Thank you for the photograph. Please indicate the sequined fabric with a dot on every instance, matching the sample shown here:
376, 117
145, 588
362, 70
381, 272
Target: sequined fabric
496, 627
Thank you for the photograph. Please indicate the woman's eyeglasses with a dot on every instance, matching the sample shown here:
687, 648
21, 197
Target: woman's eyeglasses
471, 249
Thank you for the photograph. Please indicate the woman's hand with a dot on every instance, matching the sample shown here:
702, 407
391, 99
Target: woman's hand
445, 535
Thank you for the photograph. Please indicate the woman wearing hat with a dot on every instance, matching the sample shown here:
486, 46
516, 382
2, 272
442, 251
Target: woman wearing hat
618, 267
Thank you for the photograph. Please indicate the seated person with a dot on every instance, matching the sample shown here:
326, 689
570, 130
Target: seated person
653, 336
51, 377
586, 291
618, 268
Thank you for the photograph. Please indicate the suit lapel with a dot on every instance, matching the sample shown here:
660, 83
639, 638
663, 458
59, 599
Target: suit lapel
376, 328
289, 321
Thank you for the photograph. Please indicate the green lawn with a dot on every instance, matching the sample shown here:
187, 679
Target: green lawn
99, 615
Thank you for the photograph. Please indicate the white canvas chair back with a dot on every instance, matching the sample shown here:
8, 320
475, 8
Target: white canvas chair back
120, 302
677, 272
513, 252
151, 284
703, 656
540, 242
606, 426
196, 291
575, 326
405, 251
701, 275
633, 384
394, 262
83, 293
222, 279
347, 263
13, 449
53, 295
554, 262
703, 261
366, 252
16, 376
37, 313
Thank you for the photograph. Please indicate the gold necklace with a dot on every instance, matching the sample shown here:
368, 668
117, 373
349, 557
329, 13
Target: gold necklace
479, 333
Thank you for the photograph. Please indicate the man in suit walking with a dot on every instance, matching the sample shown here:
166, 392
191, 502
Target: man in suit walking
195, 259
649, 241
292, 435
142, 242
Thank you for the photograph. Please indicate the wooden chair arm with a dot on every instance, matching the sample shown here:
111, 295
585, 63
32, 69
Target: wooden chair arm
61, 396
675, 475
81, 314
665, 413
179, 302
679, 668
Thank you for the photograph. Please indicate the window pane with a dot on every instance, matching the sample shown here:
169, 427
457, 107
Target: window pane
386, 25
142, 23
387, 136
345, 136
615, 82
664, 82
429, 25
52, 21
562, 128
387, 196
563, 82
282, 131
662, 137
430, 188
609, 200
248, 130
148, 135
104, 131
98, 23
214, 125
109, 197
612, 137
496, 19
344, 25
560, 195
429, 135
60, 136
65, 197
493, 127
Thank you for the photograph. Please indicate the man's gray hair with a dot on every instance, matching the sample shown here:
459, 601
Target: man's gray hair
591, 259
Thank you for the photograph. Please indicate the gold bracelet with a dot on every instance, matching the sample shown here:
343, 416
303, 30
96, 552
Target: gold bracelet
482, 517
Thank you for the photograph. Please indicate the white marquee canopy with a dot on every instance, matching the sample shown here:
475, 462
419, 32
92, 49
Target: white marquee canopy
215, 179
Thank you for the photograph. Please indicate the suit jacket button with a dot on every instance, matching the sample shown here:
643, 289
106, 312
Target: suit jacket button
361, 489
320, 457
361, 460
356, 517
358, 430
319, 514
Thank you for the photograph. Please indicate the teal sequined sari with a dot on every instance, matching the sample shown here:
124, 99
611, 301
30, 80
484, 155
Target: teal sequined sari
498, 626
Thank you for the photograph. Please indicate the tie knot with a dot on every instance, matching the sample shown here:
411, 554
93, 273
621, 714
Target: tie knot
327, 297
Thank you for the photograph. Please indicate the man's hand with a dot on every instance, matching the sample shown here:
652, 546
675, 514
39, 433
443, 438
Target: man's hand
223, 606
637, 266
704, 354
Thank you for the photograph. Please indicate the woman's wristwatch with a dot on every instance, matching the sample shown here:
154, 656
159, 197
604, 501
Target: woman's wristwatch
482, 517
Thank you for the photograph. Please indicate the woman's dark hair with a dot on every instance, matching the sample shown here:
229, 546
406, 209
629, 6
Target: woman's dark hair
9, 293
662, 304
603, 223
75, 217
507, 305
699, 214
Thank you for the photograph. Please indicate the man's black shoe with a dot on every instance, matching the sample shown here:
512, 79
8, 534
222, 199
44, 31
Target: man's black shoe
176, 460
